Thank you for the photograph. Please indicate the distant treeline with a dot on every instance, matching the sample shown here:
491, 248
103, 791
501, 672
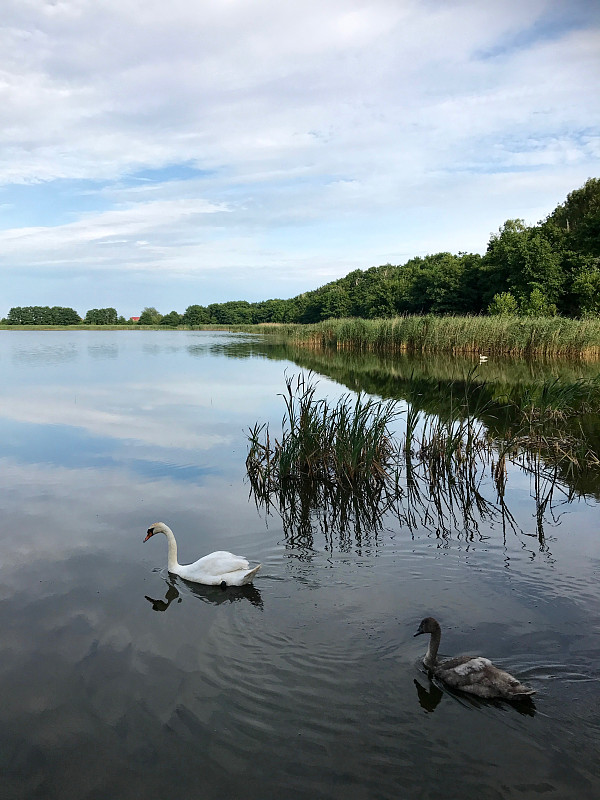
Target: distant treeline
543, 270
59, 315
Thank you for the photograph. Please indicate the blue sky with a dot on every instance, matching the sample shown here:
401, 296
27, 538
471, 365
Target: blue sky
199, 151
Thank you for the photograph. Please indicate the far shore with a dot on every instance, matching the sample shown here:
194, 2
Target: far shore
529, 337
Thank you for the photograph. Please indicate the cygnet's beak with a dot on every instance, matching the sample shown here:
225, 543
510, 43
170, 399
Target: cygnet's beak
418, 633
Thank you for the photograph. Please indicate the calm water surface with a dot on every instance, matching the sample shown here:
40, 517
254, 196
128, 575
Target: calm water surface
119, 681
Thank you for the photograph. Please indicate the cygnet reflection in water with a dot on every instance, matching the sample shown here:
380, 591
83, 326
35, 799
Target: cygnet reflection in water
431, 696
428, 698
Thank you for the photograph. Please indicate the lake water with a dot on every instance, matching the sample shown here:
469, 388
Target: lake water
120, 681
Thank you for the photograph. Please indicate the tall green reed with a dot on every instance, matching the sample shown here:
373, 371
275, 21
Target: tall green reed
496, 335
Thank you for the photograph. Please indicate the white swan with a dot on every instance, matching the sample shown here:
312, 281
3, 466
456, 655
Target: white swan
472, 674
215, 569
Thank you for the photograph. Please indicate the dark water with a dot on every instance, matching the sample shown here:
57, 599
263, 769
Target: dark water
118, 681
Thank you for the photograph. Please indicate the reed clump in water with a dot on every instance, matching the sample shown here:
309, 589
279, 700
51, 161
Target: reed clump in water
342, 468
348, 444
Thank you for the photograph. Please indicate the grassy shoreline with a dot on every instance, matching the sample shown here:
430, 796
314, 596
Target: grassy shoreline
85, 327
513, 336
532, 337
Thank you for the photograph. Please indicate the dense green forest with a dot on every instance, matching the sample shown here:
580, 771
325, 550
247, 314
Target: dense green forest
541, 270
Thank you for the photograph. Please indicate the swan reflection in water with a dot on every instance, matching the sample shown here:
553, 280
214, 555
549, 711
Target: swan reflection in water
162, 605
430, 697
208, 594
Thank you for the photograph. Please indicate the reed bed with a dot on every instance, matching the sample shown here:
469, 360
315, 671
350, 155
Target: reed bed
484, 335
343, 466
348, 444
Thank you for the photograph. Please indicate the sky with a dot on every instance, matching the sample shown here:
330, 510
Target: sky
196, 151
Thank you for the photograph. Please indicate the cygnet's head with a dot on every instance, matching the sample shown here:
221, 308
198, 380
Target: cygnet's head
156, 527
428, 625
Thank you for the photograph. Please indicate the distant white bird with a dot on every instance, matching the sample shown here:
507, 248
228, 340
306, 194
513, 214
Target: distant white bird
482, 359
473, 674
215, 569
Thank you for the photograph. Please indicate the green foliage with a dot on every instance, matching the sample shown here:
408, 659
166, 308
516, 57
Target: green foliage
172, 319
42, 315
503, 304
234, 312
520, 260
150, 316
586, 288
101, 316
575, 224
537, 305
196, 315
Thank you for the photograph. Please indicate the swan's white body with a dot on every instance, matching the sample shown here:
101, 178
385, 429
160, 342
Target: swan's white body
214, 569
472, 674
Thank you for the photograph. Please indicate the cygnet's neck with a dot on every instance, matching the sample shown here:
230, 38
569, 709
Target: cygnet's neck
172, 563
430, 659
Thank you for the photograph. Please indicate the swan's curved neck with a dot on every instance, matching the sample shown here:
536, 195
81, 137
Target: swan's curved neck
430, 659
172, 563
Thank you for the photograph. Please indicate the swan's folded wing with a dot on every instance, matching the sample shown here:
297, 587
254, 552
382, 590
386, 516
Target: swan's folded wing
221, 562
463, 670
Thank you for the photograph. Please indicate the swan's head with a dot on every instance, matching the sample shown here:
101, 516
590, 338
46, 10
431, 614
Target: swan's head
157, 527
428, 625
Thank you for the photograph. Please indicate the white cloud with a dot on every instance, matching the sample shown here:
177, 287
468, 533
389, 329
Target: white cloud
327, 133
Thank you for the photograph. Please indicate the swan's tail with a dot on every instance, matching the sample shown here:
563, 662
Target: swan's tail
250, 575
520, 690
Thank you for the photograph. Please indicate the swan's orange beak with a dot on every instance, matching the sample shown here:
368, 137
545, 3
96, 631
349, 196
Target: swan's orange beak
149, 534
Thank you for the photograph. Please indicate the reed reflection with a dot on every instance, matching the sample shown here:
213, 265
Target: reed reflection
444, 501
343, 469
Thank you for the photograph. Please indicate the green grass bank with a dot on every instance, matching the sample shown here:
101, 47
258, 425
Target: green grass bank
499, 335
484, 335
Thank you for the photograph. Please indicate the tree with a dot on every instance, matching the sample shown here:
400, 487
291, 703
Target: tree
196, 315
43, 315
101, 316
503, 304
586, 288
538, 305
150, 316
172, 319
576, 222
335, 302
234, 312
520, 259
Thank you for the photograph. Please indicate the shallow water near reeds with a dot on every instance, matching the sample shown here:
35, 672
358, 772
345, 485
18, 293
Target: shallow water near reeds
118, 680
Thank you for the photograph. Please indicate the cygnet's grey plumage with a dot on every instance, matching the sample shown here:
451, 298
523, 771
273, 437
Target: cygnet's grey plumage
473, 674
